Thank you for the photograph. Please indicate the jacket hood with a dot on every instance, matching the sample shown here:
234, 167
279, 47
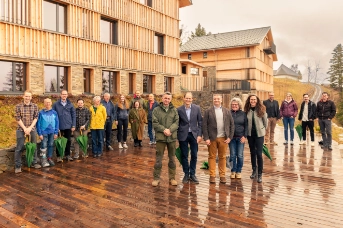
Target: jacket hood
68, 101
290, 101
170, 105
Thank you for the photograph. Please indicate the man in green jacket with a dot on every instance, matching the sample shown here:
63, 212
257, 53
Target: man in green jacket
165, 121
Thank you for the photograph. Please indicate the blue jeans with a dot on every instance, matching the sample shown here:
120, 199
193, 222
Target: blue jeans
48, 143
288, 121
236, 154
151, 135
189, 168
97, 141
20, 135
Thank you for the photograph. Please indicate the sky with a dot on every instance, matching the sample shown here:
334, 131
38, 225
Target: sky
305, 32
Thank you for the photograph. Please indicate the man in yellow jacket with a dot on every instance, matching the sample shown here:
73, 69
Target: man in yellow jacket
97, 123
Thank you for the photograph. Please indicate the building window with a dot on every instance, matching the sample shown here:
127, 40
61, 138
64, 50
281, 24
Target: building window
158, 44
146, 2
205, 55
248, 52
110, 82
194, 71
204, 74
12, 76
168, 84
15, 11
148, 83
108, 31
184, 69
86, 80
87, 22
132, 83
190, 56
55, 78
54, 17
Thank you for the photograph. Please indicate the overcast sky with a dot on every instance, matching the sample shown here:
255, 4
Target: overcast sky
303, 30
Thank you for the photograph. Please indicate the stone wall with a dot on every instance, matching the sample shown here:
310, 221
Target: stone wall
6, 159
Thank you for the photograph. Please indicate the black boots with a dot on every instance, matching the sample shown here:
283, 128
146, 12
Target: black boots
253, 175
259, 178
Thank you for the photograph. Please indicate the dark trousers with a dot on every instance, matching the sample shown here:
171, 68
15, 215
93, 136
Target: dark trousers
160, 146
151, 135
97, 141
310, 125
326, 130
66, 133
20, 147
108, 132
122, 130
189, 168
256, 146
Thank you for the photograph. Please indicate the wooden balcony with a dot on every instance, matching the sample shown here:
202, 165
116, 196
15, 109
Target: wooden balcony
270, 50
302, 187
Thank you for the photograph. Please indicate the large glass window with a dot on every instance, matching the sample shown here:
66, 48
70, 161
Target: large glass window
148, 83
110, 82
54, 16
158, 44
108, 31
132, 83
168, 84
146, 2
15, 11
55, 79
87, 80
12, 76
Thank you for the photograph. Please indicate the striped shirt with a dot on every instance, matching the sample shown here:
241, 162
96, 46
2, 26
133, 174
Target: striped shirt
26, 113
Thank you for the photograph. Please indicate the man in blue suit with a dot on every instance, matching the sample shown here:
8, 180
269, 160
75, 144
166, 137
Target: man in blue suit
189, 132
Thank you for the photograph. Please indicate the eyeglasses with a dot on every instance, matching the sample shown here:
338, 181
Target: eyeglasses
234, 104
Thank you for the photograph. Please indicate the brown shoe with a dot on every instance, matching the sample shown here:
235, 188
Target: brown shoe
223, 180
212, 180
173, 182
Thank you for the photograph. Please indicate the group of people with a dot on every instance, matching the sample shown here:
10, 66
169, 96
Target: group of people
324, 111
219, 127
63, 119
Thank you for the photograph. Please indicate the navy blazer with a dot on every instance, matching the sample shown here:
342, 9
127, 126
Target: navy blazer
195, 122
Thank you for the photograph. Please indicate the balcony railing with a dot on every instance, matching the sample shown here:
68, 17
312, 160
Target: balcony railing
270, 50
226, 85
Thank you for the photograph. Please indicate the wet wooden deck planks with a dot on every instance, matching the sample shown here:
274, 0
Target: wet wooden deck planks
302, 187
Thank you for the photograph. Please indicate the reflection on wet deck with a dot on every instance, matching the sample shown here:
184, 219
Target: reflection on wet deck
302, 187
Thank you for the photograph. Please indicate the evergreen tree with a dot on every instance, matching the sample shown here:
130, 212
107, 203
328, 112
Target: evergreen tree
19, 78
199, 31
336, 68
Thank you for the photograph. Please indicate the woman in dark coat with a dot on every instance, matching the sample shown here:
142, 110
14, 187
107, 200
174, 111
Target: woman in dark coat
122, 121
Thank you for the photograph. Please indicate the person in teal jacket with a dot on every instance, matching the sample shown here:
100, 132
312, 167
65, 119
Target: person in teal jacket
47, 128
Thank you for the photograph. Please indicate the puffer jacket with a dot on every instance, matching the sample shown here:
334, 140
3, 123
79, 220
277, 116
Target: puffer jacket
289, 109
162, 119
326, 110
98, 118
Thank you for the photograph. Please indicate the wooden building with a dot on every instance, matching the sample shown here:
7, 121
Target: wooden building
191, 75
90, 46
285, 72
235, 62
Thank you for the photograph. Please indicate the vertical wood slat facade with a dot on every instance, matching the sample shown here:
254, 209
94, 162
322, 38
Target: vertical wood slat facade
137, 25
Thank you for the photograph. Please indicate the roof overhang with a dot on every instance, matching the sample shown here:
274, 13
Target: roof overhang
221, 48
184, 3
190, 61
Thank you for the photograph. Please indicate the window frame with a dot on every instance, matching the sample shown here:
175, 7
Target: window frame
14, 77
66, 84
16, 12
151, 87
114, 30
168, 84
115, 83
57, 16
132, 83
189, 56
183, 69
88, 83
160, 44
204, 55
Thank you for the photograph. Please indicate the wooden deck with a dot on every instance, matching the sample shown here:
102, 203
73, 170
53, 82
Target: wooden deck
302, 187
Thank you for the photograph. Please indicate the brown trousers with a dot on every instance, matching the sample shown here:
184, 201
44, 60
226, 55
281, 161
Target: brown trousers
269, 137
220, 146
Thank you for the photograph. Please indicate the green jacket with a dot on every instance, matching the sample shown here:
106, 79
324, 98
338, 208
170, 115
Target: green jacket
162, 119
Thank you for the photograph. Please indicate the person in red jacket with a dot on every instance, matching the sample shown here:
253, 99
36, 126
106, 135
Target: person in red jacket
288, 112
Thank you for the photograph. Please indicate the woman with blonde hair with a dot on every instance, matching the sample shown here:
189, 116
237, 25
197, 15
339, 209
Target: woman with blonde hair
236, 144
288, 112
122, 121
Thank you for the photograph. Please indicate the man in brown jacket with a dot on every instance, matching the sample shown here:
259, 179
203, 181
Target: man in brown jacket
218, 129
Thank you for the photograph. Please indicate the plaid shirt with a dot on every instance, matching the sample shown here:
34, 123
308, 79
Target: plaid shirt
26, 113
82, 117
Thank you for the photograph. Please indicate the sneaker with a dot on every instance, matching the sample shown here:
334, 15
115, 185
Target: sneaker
109, 148
99, 155
233, 175
150, 143
36, 166
17, 170
330, 147
223, 180
155, 183
273, 143
238, 175
94, 155
45, 163
173, 182
59, 159
120, 146
125, 145
285, 143
76, 156
312, 143
69, 158
302, 142
154, 142
292, 143
51, 162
